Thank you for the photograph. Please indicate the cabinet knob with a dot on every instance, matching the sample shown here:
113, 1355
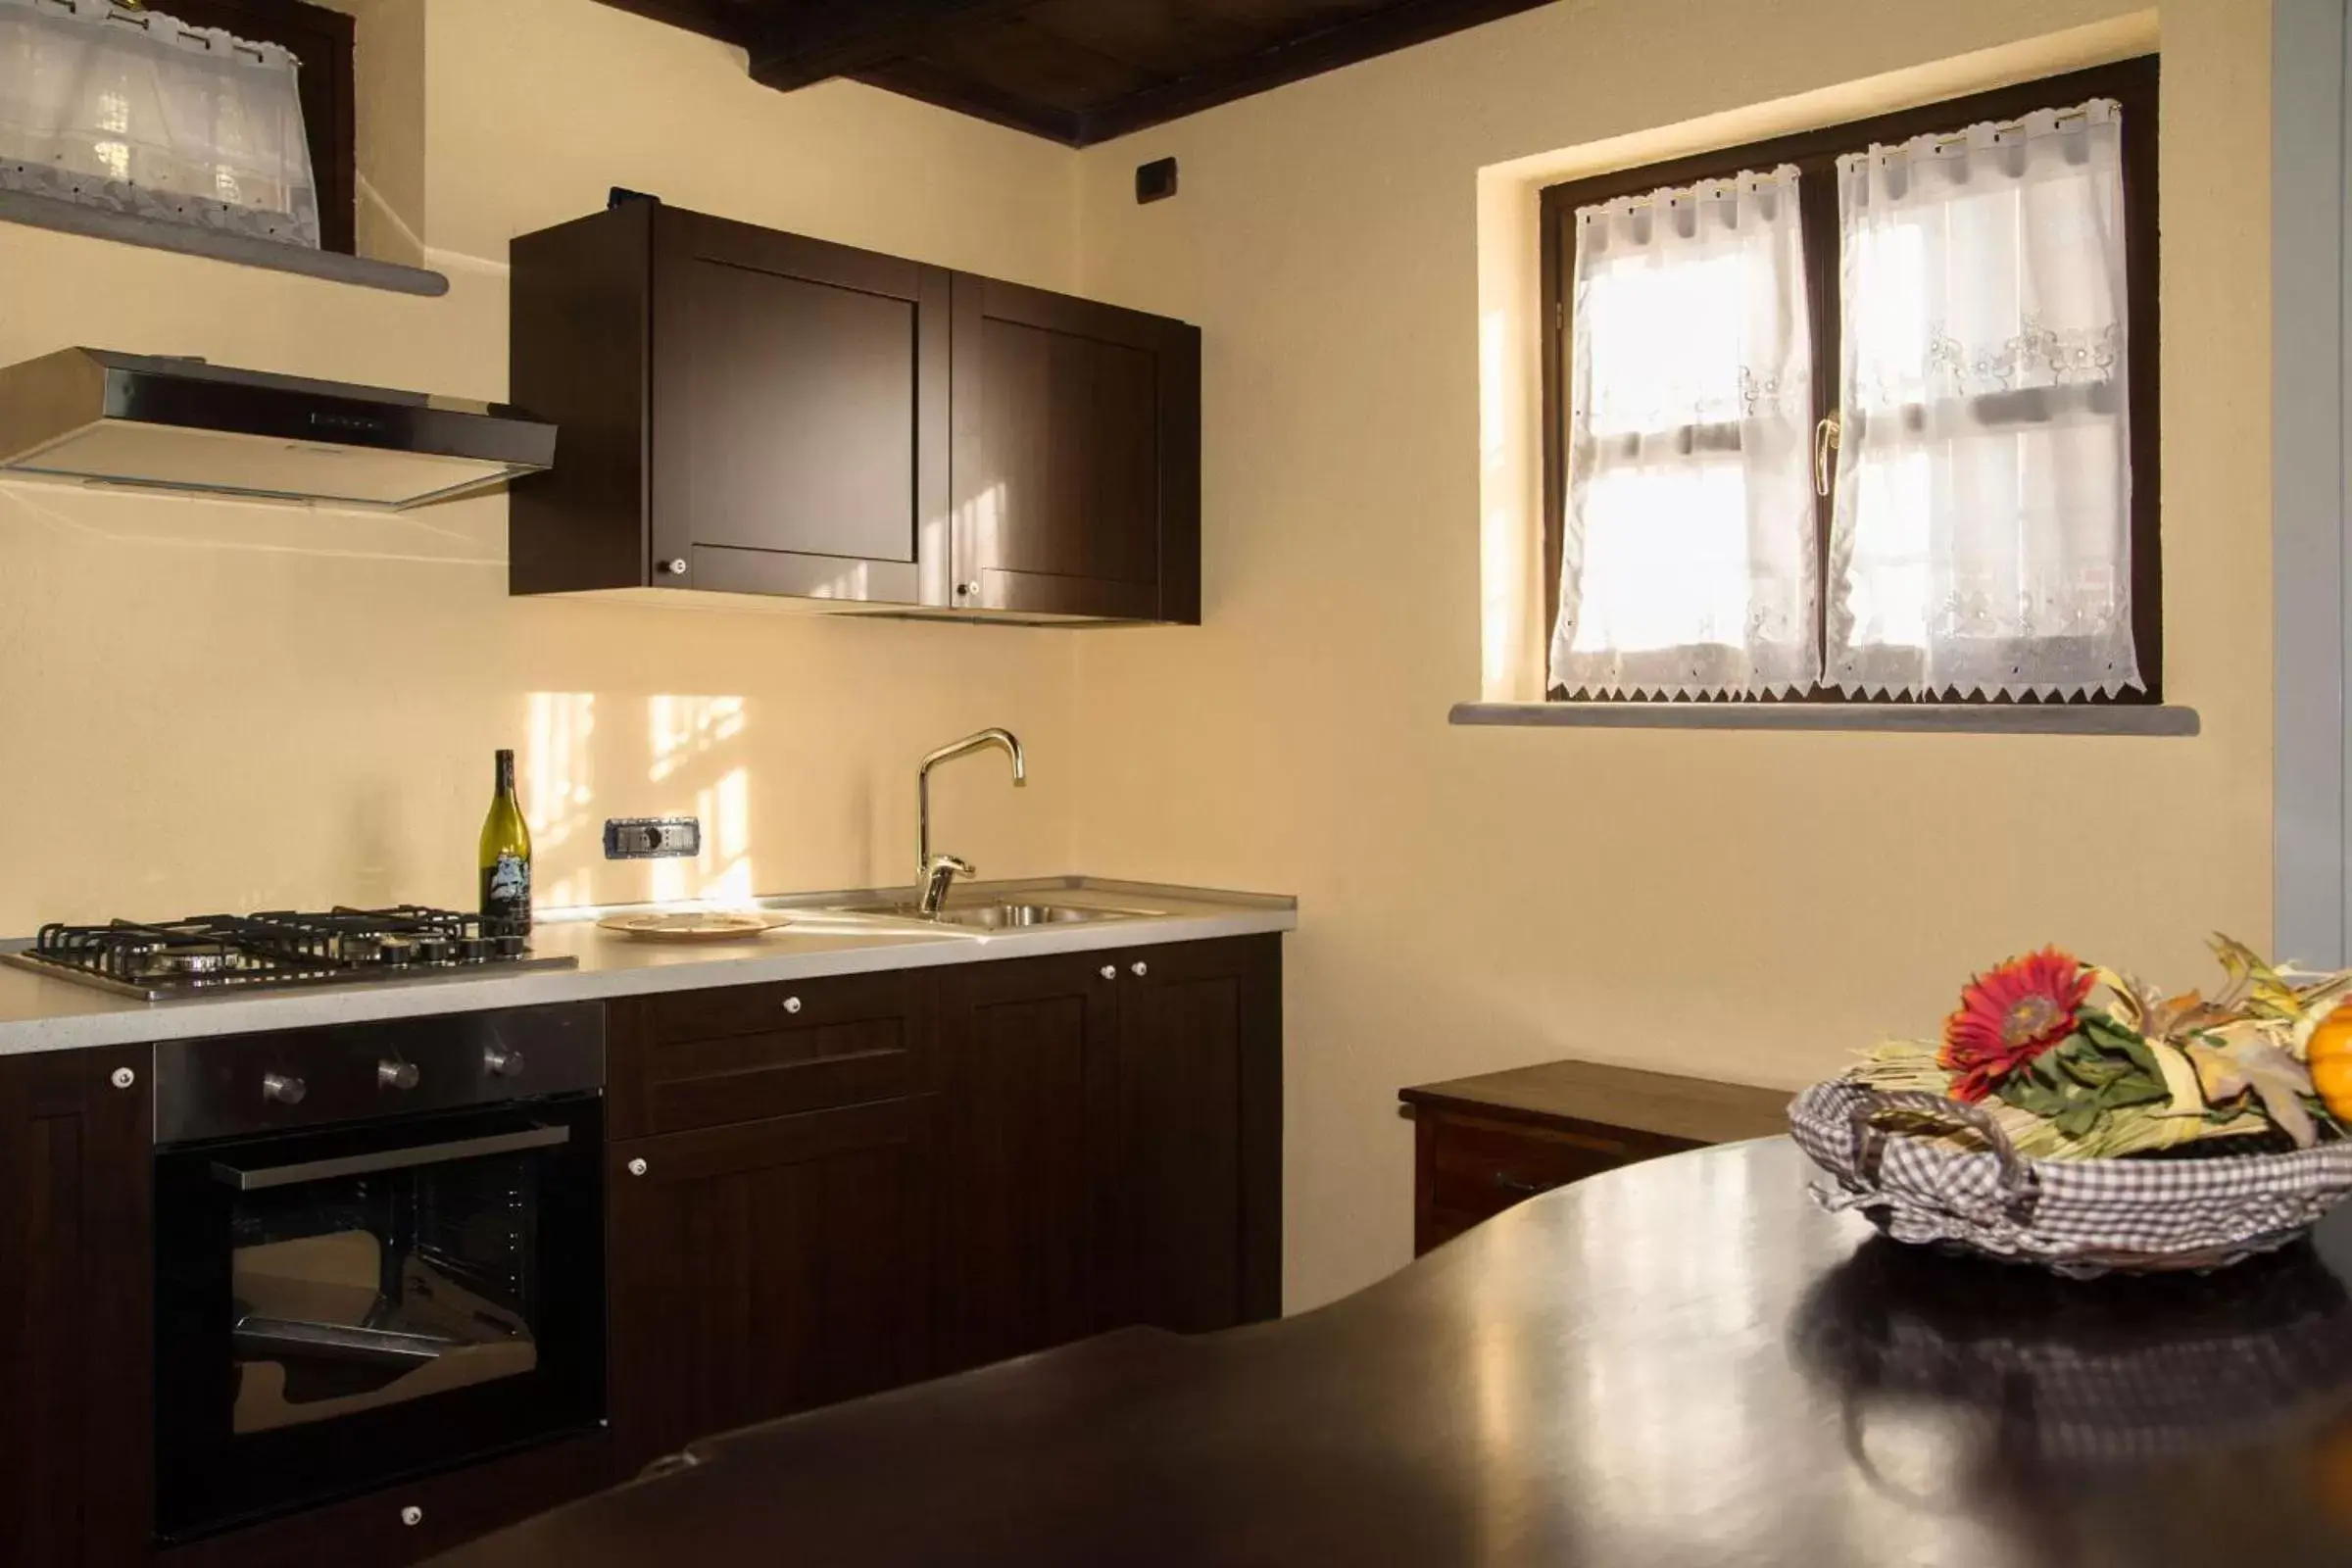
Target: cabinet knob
1110, 971
411, 1516
792, 1003
636, 1167
123, 1078
1139, 968
969, 590
390, 1074
675, 565
283, 1088
502, 1061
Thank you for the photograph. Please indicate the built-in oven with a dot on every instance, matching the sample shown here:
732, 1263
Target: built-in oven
380, 1251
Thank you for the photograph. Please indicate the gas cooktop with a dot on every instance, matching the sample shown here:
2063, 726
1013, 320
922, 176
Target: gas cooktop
212, 953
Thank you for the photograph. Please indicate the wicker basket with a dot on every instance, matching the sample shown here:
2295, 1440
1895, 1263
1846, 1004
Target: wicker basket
2079, 1217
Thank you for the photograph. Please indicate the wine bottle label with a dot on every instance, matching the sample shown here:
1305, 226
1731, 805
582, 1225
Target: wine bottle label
507, 889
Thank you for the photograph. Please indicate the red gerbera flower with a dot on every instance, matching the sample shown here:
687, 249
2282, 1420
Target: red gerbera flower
2009, 1015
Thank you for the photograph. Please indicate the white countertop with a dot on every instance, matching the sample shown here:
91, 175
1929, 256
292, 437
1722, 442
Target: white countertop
39, 1014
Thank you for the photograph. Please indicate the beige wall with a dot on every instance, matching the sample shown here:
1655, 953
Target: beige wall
217, 705
207, 705
1744, 905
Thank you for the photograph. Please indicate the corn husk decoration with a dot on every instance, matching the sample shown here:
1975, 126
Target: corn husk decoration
2076, 1061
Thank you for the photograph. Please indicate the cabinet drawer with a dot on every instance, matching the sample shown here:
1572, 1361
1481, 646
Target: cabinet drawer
374, 1531
1477, 1168
706, 1059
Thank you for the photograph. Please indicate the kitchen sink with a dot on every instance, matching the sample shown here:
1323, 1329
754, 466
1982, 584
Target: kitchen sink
1005, 915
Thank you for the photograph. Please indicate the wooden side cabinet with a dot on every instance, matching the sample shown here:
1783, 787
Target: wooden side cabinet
1485, 1144
744, 410
76, 1308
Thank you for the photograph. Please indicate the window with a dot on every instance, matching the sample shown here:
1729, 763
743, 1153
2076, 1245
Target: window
1864, 414
322, 41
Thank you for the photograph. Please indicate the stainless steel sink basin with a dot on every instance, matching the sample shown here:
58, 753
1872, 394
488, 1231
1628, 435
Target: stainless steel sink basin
995, 915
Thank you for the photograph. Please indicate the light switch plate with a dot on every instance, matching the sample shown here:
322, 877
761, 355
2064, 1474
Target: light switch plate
650, 838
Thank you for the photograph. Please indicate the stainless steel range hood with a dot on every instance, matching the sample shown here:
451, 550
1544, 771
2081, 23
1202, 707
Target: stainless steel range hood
182, 425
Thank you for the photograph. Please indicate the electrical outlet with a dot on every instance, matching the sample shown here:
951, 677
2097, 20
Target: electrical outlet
650, 838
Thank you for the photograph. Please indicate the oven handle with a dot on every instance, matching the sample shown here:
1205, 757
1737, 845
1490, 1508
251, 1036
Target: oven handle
319, 1170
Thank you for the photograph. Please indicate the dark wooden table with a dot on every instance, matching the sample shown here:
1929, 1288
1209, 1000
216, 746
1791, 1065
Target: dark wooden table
1680, 1362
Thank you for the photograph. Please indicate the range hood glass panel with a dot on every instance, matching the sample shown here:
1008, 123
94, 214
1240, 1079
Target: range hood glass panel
123, 452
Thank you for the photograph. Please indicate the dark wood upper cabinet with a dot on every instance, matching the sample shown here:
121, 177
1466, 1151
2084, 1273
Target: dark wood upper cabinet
1077, 457
74, 1307
739, 410
751, 411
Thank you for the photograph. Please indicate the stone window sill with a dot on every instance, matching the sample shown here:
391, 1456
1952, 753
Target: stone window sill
42, 211
1940, 718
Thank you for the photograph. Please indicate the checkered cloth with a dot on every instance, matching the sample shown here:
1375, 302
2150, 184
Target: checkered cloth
2081, 1217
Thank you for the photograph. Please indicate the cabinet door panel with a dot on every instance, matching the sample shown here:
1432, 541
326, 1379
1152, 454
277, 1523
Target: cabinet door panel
1076, 456
1198, 1135
76, 1308
801, 398
1026, 1093
765, 1267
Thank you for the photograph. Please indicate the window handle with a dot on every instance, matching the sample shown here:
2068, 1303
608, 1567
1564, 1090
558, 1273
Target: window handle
1825, 443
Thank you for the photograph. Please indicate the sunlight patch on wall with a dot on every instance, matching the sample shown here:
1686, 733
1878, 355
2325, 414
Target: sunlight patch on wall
688, 738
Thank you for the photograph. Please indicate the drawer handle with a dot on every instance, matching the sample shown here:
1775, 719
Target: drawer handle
637, 1167
1139, 968
792, 1003
411, 1516
1110, 971
1518, 1184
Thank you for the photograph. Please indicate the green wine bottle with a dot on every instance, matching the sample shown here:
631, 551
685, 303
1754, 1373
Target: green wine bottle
506, 859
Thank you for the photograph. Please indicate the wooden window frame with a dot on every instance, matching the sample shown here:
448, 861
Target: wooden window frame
2132, 84
322, 39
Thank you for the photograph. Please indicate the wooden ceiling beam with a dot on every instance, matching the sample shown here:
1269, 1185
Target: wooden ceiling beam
814, 42
1379, 32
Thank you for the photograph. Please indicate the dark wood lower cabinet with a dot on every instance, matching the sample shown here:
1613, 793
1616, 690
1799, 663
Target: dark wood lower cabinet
815, 1190
1028, 1100
765, 1267
1196, 1187
75, 1309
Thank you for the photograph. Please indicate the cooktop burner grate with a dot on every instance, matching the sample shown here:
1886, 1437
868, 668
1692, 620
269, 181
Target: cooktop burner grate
210, 954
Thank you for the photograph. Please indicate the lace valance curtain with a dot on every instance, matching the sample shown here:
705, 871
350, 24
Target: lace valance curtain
1981, 541
1687, 563
129, 111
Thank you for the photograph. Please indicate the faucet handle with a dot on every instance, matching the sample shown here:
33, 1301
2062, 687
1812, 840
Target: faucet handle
938, 874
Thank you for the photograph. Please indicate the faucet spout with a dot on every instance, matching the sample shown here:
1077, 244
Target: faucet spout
932, 884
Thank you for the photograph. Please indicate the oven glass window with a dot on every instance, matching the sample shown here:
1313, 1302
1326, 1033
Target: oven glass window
358, 1292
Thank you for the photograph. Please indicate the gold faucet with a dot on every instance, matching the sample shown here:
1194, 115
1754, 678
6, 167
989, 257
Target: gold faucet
935, 875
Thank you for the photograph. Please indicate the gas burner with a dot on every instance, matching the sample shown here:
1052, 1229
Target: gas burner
209, 954
167, 963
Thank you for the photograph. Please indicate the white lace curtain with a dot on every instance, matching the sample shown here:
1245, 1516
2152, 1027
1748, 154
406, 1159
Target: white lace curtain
129, 111
1981, 540
1688, 564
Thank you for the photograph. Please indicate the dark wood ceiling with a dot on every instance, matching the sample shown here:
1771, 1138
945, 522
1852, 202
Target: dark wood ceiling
1076, 70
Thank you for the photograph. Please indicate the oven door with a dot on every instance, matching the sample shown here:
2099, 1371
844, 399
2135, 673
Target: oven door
339, 1309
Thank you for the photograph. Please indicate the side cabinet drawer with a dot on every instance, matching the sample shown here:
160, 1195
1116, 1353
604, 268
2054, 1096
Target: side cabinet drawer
705, 1058
1471, 1168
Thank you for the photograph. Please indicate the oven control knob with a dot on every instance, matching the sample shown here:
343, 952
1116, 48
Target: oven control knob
283, 1088
502, 1061
396, 1074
